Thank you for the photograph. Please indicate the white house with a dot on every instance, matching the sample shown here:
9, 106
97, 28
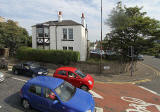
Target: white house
61, 35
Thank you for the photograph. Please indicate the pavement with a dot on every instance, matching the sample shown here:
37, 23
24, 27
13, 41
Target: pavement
143, 73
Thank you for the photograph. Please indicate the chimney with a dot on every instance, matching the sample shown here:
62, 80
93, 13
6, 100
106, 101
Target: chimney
60, 16
83, 20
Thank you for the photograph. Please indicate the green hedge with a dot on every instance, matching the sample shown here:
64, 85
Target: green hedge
51, 56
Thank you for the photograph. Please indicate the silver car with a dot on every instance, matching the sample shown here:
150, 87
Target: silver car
1, 77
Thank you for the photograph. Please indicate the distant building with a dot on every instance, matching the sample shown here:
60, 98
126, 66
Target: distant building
61, 35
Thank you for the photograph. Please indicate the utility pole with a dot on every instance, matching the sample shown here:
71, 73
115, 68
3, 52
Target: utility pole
132, 56
101, 42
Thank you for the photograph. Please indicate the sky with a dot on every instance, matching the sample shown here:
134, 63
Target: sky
31, 12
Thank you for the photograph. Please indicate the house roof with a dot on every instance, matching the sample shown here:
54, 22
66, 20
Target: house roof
63, 23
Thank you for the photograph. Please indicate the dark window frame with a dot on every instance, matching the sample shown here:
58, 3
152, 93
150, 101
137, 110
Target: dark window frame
70, 48
62, 74
70, 33
35, 93
44, 93
64, 47
72, 73
65, 33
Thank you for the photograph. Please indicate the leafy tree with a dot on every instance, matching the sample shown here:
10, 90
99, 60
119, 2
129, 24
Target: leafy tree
12, 36
130, 26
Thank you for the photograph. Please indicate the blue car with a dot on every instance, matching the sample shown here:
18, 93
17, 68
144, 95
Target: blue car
49, 94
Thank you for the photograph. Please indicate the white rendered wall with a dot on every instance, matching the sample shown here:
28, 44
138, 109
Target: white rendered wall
34, 43
79, 44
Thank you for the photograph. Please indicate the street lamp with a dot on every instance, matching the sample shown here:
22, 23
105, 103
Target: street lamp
101, 41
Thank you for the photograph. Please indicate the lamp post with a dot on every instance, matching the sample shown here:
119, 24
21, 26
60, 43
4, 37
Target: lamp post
101, 42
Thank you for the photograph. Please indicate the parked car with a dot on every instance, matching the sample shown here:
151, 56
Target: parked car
110, 52
49, 94
1, 77
75, 77
29, 69
140, 57
97, 51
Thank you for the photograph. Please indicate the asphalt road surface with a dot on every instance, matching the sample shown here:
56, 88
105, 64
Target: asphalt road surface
152, 61
9, 95
154, 85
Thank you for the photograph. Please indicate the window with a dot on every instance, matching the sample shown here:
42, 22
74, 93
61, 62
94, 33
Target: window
46, 31
35, 89
25, 66
65, 33
62, 72
40, 32
64, 47
71, 74
65, 91
82, 75
49, 94
70, 33
70, 48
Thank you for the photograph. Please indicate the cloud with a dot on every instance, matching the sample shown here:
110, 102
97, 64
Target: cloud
30, 12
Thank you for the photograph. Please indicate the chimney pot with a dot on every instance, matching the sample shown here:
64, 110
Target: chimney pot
60, 16
60, 13
83, 20
83, 15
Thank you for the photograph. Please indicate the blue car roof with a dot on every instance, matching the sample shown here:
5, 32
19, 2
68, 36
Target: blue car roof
46, 81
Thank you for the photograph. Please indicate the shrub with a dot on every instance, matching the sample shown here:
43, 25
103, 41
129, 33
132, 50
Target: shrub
51, 56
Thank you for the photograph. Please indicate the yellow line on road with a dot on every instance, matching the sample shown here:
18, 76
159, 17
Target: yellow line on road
133, 82
155, 71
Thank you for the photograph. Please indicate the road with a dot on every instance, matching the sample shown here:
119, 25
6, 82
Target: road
109, 97
9, 94
154, 63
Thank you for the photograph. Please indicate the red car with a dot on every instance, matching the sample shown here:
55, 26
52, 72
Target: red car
75, 77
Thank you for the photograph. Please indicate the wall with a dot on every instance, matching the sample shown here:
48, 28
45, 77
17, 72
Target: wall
52, 37
83, 44
79, 43
115, 68
34, 43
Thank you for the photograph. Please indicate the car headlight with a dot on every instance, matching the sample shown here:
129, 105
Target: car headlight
90, 82
39, 73
88, 111
1, 76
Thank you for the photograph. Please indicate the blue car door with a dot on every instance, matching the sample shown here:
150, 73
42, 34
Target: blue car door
51, 102
36, 99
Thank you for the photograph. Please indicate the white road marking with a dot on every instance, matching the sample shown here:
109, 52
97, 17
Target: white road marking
0, 107
138, 105
95, 94
97, 109
18, 79
149, 90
